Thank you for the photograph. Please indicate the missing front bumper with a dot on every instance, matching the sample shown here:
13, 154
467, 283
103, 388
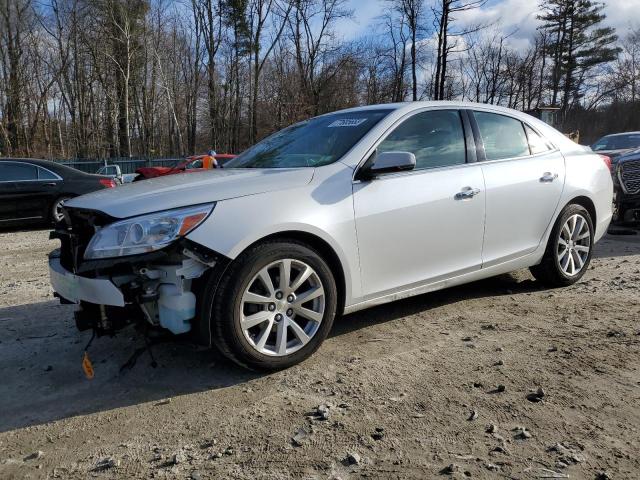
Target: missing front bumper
159, 294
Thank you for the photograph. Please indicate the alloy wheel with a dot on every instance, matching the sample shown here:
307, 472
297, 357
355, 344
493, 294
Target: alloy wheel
282, 307
57, 209
574, 245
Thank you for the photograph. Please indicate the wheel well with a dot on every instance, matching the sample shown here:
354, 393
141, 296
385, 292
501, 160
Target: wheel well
588, 204
326, 252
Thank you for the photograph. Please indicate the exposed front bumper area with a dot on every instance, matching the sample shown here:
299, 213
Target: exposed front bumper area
75, 288
159, 295
150, 290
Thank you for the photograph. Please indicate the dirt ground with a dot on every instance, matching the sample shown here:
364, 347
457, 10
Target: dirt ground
432, 386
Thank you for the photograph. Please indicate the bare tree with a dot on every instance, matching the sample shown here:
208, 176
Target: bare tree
448, 38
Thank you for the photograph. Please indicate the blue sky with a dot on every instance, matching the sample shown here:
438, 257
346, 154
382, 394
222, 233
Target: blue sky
517, 16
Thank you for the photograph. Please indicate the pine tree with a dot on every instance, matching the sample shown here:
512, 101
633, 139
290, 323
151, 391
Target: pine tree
578, 43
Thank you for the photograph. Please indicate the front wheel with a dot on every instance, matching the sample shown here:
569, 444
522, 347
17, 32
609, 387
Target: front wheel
274, 306
569, 249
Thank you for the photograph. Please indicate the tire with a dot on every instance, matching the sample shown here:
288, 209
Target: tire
55, 213
262, 346
551, 270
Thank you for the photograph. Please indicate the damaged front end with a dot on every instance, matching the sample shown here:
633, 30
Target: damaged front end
152, 285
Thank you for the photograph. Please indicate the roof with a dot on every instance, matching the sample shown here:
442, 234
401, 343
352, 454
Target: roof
622, 133
55, 166
35, 161
410, 106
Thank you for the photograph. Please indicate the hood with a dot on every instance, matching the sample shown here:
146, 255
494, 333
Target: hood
632, 154
614, 154
174, 191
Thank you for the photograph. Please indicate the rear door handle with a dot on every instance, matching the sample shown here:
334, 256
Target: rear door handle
466, 193
51, 184
548, 177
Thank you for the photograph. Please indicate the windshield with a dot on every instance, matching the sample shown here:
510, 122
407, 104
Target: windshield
312, 143
617, 142
197, 163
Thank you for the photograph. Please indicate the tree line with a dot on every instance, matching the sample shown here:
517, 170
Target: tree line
120, 78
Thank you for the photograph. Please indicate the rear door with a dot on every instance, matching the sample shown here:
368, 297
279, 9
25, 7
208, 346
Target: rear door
524, 178
36, 188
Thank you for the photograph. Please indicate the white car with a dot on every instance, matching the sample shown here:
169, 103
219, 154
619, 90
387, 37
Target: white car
115, 172
329, 216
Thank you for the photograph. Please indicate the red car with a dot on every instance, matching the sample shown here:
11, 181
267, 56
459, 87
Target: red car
196, 163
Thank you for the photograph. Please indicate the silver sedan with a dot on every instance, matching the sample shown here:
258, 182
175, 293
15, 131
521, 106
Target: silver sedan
329, 216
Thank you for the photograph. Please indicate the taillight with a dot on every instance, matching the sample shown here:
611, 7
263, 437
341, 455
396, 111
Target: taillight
107, 182
607, 161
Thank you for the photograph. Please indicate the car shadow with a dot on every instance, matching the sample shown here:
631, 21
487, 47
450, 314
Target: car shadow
620, 241
42, 380
41, 354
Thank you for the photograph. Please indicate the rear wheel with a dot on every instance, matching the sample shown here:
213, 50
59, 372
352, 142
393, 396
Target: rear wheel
569, 249
56, 209
274, 307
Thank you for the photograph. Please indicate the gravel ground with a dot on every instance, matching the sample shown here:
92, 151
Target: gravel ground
497, 379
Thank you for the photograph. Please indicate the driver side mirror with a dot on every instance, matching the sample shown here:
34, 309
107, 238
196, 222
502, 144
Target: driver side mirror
386, 162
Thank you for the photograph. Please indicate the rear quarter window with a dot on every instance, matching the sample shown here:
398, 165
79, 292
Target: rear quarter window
537, 143
44, 174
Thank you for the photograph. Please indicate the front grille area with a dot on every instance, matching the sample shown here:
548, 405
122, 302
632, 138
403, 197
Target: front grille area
630, 176
75, 233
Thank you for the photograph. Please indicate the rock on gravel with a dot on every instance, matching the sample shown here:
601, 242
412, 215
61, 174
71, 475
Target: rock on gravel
522, 433
353, 459
450, 469
179, 458
536, 396
106, 464
300, 437
34, 456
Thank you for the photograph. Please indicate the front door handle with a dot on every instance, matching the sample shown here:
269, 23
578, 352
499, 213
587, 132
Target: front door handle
548, 177
466, 193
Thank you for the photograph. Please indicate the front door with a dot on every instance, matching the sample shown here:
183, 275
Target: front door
427, 224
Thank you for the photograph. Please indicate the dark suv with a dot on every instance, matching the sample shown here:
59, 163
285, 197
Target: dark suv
617, 144
624, 151
626, 178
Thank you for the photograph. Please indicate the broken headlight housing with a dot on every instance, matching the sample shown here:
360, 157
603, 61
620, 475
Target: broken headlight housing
146, 233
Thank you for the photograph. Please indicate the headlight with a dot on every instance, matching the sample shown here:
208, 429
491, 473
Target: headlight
145, 233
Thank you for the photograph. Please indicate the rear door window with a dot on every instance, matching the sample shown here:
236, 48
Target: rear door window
15, 172
503, 136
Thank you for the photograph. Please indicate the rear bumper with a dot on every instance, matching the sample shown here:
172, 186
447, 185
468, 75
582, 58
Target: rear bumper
75, 288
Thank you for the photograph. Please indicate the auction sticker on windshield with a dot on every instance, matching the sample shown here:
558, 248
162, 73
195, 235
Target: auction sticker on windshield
347, 122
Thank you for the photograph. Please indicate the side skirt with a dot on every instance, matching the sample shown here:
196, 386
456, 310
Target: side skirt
509, 266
